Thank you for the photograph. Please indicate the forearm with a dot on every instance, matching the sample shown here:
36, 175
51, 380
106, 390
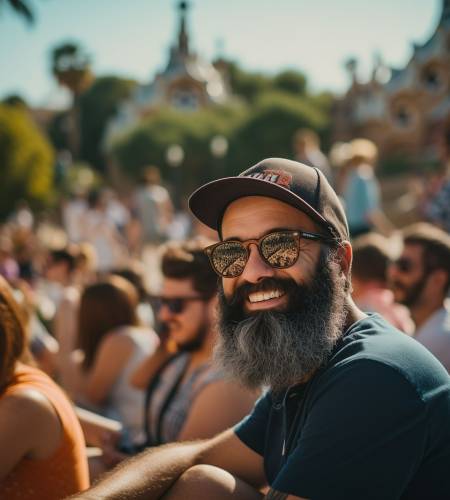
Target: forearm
98, 429
147, 476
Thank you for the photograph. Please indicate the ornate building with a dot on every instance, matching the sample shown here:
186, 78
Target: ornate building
188, 83
403, 114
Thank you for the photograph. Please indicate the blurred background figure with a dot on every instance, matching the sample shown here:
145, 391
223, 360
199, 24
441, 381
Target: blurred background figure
154, 211
360, 190
43, 447
101, 232
420, 279
437, 208
111, 345
187, 397
9, 268
134, 273
60, 274
153, 206
372, 255
73, 215
306, 146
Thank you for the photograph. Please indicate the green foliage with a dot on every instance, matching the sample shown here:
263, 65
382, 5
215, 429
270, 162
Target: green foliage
58, 130
269, 128
148, 143
399, 164
97, 105
26, 160
290, 81
14, 100
80, 178
247, 84
261, 126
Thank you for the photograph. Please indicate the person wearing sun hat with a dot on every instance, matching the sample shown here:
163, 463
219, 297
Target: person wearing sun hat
352, 408
360, 189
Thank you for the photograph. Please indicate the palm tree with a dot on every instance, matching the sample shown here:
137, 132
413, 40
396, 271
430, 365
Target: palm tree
71, 66
21, 8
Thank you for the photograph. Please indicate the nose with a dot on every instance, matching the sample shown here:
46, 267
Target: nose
164, 313
256, 268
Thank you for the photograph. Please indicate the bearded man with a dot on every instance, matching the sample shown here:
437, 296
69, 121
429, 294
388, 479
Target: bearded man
353, 409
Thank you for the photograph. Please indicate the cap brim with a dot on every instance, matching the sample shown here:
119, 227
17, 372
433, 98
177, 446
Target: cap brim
209, 202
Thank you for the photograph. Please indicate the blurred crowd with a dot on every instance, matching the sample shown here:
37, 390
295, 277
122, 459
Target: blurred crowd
108, 318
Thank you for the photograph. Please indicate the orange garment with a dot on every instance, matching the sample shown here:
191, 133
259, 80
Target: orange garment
63, 473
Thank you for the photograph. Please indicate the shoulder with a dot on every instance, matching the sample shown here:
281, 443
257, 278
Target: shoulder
120, 338
27, 405
117, 344
374, 351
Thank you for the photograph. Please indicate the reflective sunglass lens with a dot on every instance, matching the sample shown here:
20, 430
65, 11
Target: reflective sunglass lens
175, 306
229, 259
404, 265
280, 249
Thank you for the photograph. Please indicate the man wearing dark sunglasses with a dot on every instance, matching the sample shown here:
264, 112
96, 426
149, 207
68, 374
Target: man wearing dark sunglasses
354, 408
420, 279
187, 397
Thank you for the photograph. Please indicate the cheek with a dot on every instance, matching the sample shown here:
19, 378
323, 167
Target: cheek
229, 286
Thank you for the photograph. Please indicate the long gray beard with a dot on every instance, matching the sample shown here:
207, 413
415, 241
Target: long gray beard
279, 349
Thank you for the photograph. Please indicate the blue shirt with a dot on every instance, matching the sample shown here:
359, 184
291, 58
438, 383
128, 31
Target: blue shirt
361, 196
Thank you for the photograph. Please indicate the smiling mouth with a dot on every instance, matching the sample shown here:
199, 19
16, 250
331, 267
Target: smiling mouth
263, 296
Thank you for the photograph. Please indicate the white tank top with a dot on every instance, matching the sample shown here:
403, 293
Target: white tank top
126, 403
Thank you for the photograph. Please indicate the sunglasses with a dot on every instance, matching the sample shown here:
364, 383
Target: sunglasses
279, 250
404, 265
176, 305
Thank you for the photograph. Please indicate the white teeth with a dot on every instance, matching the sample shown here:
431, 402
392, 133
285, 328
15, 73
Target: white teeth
260, 296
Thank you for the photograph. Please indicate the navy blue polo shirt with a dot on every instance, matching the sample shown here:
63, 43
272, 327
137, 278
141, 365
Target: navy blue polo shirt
374, 423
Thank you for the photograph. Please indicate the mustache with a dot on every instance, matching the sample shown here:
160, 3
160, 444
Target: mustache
397, 284
241, 293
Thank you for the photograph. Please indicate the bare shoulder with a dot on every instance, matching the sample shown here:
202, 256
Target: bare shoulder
27, 404
118, 340
18, 410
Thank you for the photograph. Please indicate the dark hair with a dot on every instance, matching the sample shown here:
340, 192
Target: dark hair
187, 260
371, 258
436, 246
134, 275
13, 338
67, 255
104, 306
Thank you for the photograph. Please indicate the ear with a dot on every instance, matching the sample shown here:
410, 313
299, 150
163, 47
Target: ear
439, 278
345, 256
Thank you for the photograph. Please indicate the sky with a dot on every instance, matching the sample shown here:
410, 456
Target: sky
131, 38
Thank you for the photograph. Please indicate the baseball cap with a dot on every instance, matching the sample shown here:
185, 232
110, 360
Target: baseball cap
294, 183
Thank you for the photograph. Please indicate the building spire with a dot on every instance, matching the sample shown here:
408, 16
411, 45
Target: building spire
183, 39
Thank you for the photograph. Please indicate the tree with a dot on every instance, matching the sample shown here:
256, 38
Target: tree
247, 84
97, 105
21, 8
149, 141
14, 100
269, 128
26, 160
71, 66
290, 81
